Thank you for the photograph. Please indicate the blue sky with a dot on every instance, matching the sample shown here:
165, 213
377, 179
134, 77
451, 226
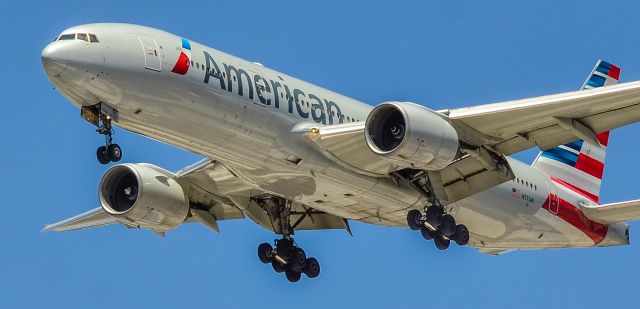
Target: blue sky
438, 53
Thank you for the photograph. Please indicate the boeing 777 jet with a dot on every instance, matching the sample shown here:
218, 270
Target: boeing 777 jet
292, 156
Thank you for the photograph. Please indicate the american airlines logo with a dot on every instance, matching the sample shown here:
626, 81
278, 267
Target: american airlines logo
184, 60
271, 92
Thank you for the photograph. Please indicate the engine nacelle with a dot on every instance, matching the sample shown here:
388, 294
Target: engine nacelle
411, 135
143, 195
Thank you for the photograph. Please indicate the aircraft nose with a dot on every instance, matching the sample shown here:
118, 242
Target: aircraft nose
54, 59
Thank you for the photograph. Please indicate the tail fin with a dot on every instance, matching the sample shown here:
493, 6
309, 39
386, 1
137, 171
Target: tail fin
579, 165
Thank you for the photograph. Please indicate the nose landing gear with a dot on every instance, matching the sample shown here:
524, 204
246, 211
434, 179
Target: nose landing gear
101, 116
110, 152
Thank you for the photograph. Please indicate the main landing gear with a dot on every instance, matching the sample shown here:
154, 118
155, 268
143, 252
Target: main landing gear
286, 256
435, 224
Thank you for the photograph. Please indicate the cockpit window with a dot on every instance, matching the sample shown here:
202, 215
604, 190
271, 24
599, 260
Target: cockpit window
71, 36
87, 37
82, 36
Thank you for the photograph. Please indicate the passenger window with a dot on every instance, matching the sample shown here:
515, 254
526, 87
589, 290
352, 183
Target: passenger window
94, 39
71, 36
82, 36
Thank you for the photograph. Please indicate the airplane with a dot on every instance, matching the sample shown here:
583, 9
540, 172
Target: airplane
292, 156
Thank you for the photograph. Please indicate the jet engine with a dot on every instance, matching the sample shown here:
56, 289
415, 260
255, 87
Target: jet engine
411, 135
143, 195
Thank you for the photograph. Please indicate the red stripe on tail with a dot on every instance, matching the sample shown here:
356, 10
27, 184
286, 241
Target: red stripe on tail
603, 138
614, 72
594, 198
590, 166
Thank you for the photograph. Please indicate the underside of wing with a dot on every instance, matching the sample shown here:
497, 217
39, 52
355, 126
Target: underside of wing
345, 145
549, 121
209, 193
472, 172
92, 218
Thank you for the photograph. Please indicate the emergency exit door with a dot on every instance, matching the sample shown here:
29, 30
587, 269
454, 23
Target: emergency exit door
151, 54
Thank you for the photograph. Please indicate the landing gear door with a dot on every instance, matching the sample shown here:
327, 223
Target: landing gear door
151, 54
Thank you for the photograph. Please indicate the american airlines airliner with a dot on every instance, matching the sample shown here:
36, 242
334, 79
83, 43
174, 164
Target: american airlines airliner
293, 156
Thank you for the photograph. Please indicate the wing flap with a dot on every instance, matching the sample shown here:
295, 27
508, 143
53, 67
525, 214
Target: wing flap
472, 174
614, 212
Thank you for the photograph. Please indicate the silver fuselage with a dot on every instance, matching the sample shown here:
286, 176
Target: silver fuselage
250, 131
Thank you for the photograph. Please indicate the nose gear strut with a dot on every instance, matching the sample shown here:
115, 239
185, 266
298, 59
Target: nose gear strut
101, 116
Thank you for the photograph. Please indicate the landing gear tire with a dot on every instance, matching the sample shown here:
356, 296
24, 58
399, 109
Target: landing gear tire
461, 237
441, 242
277, 267
426, 233
292, 275
265, 253
434, 215
284, 248
447, 225
298, 259
312, 268
115, 152
414, 219
103, 155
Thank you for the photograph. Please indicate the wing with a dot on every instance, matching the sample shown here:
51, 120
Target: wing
549, 121
92, 218
613, 213
215, 194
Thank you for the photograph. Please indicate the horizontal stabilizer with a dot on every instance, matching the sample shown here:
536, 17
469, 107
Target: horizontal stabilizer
613, 213
92, 218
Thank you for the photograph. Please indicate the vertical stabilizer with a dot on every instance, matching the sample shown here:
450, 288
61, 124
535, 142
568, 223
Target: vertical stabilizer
579, 165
